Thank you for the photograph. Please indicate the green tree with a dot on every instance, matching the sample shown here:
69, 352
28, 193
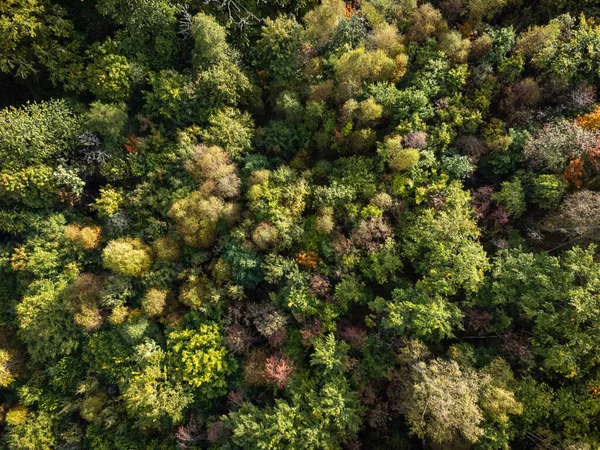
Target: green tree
449, 403
197, 218
108, 120
127, 256
443, 244
512, 196
199, 357
109, 74
556, 297
29, 430
37, 133
150, 394
277, 51
210, 44
45, 323
7, 376
415, 313
35, 34
147, 30
231, 129
319, 414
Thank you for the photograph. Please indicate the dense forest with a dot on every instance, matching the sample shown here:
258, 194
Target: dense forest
299, 224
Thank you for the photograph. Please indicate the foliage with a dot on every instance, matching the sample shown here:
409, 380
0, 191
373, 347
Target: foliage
127, 256
511, 195
44, 321
108, 202
37, 35
37, 133
200, 358
197, 218
311, 224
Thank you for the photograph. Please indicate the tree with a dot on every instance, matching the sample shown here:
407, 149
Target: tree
33, 186
7, 375
109, 201
548, 190
232, 130
166, 248
576, 216
147, 30
319, 415
277, 51
83, 298
322, 21
442, 244
37, 133
154, 301
199, 357
29, 430
555, 144
448, 403
108, 120
414, 313
556, 297
512, 197
197, 218
150, 394
484, 9
109, 75
127, 256
45, 323
210, 44
88, 236
426, 21
360, 65
36, 34
278, 370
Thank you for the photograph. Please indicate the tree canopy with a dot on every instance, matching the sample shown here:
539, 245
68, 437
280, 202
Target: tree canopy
312, 224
